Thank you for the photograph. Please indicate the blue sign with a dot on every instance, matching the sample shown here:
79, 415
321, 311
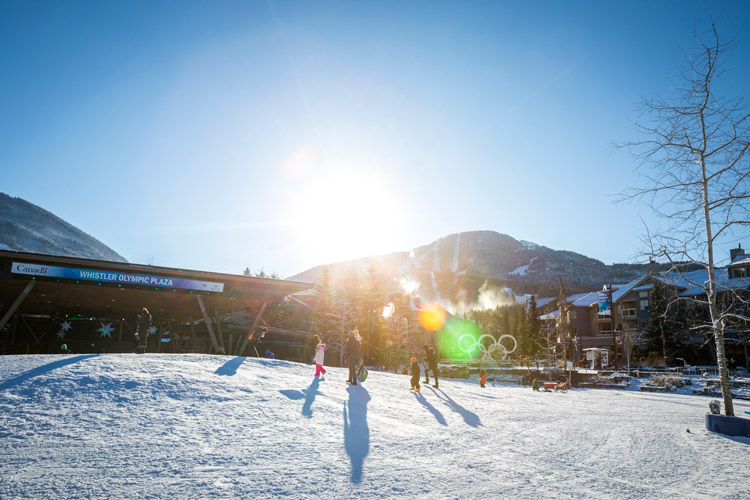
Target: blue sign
604, 298
115, 277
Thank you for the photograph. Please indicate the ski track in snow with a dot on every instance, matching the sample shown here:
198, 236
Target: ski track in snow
436, 257
455, 253
435, 290
203, 426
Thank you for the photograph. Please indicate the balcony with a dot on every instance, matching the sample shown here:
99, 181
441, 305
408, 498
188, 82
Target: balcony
629, 314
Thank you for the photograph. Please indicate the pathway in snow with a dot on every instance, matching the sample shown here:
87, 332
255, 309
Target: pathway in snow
455, 253
199, 426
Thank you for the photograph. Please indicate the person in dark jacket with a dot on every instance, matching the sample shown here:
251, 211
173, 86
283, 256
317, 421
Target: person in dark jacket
415, 374
432, 362
352, 355
142, 330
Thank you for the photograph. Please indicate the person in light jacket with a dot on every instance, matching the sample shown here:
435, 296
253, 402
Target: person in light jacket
320, 352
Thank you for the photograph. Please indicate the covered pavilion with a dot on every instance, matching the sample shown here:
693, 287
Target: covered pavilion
92, 305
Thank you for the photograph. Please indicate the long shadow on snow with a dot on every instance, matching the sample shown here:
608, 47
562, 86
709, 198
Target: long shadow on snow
41, 370
310, 394
356, 431
469, 417
230, 367
438, 416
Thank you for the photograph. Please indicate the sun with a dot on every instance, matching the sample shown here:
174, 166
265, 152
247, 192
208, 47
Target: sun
347, 214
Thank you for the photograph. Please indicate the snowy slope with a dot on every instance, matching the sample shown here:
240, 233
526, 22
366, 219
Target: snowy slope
27, 227
200, 426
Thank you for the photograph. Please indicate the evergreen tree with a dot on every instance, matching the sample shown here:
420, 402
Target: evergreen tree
534, 327
521, 332
324, 318
375, 295
349, 305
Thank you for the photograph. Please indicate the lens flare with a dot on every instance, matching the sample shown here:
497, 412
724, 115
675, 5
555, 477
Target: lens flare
432, 317
388, 310
408, 285
452, 331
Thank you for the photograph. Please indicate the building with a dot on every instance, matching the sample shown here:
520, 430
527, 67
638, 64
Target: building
92, 305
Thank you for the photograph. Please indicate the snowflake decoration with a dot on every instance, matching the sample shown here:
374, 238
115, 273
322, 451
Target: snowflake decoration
64, 327
106, 330
152, 330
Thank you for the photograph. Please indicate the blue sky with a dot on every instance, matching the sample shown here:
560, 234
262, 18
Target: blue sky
282, 135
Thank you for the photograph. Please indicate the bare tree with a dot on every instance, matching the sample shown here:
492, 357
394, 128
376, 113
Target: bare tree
694, 158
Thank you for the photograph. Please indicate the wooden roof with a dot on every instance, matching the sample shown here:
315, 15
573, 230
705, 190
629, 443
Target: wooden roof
122, 295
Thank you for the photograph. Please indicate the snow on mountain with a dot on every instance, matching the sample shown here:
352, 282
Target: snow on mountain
27, 227
458, 265
204, 426
522, 270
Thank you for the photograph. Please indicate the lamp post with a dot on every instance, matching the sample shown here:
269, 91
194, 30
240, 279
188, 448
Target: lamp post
612, 323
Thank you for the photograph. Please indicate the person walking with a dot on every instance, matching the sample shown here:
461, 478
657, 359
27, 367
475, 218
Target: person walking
142, 330
352, 355
415, 374
432, 362
482, 377
319, 357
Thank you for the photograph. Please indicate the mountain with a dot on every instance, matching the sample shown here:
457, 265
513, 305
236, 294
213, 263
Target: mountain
29, 228
463, 266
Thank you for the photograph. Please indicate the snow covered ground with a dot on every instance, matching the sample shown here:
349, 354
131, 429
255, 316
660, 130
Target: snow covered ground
200, 426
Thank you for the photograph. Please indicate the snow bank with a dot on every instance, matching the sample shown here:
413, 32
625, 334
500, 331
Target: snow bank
200, 426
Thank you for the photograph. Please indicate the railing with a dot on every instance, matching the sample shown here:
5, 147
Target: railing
628, 313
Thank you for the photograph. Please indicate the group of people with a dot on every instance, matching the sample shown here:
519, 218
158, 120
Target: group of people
352, 356
432, 361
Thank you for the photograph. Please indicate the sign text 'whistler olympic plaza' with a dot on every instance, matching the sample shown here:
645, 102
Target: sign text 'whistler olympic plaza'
115, 277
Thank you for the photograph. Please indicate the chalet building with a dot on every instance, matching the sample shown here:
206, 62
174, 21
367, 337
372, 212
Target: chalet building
603, 321
739, 267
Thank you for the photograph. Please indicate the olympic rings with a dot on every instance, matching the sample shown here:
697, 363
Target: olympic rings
494, 348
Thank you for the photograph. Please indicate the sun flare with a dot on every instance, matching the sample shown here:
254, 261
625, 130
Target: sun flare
347, 214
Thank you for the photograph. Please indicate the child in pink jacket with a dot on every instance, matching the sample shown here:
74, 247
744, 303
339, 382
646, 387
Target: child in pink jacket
319, 357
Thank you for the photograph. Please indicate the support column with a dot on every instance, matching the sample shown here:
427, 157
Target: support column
255, 324
37, 340
221, 333
17, 303
208, 323
192, 334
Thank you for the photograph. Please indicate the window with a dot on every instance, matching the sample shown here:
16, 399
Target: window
643, 295
574, 332
644, 304
740, 272
571, 315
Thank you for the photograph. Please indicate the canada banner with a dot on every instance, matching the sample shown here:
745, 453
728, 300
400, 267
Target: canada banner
115, 277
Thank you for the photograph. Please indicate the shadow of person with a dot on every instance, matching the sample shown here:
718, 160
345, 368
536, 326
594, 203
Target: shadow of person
356, 431
310, 394
230, 367
438, 416
41, 370
469, 417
